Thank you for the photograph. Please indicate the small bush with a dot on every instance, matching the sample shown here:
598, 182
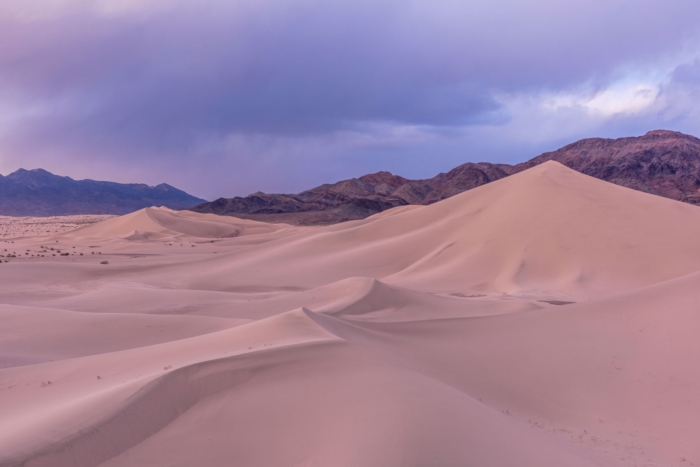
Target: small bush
104, 262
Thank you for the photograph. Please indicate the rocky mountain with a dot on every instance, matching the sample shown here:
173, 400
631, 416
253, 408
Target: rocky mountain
356, 198
41, 193
664, 163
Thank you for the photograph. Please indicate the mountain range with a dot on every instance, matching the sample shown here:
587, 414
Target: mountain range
41, 193
661, 162
664, 163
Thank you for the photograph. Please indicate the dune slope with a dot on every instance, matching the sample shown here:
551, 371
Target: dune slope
546, 230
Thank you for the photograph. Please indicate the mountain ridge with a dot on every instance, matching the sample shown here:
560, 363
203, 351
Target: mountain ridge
661, 162
38, 192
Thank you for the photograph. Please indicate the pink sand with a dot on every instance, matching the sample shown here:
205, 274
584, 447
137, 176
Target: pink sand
547, 319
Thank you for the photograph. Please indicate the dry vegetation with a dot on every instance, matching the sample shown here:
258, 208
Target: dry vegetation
12, 228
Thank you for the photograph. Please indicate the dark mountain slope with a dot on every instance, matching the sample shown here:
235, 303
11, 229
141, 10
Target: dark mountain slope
41, 193
664, 163
661, 162
356, 198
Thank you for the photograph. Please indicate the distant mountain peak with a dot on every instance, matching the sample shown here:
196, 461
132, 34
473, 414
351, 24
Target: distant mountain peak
36, 174
38, 192
668, 133
384, 177
32, 171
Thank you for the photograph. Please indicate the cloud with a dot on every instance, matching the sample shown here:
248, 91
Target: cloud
240, 93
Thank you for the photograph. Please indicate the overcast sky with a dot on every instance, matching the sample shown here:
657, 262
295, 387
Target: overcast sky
224, 98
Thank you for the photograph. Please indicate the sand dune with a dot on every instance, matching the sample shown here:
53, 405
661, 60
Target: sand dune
317, 418
618, 374
546, 319
548, 229
367, 299
31, 335
162, 223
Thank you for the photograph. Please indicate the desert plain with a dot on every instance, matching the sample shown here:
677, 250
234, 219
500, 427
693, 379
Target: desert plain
545, 319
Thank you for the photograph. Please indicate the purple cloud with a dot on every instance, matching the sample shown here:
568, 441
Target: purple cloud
224, 98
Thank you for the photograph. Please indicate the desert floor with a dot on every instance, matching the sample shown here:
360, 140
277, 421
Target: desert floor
546, 319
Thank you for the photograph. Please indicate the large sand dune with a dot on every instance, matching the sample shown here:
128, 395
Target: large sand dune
547, 319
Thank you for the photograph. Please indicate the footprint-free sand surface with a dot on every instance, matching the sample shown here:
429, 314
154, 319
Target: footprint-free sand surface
546, 319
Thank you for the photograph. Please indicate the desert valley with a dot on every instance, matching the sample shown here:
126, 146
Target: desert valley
547, 318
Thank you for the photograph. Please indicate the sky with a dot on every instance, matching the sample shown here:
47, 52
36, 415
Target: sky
225, 98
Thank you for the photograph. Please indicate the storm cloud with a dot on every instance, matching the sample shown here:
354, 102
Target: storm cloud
227, 97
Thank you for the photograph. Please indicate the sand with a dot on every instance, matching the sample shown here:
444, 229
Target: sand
11, 227
546, 319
